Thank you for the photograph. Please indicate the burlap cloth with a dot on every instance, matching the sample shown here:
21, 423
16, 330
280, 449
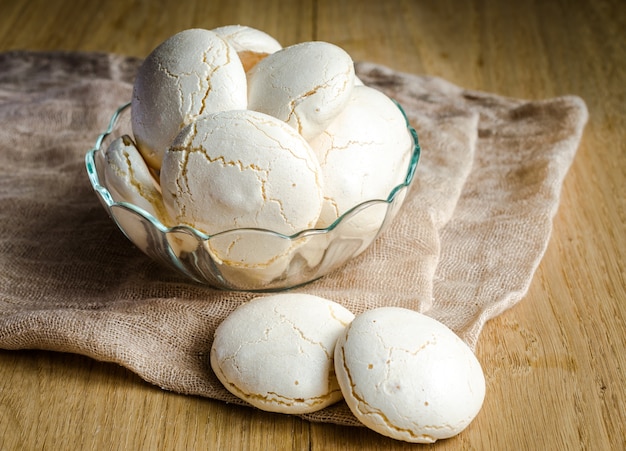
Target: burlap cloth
464, 249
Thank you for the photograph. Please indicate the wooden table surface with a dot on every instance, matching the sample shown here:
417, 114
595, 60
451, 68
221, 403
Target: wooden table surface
555, 364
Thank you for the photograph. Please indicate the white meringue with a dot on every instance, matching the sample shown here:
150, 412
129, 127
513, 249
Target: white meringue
276, 352
407, 376
306, 85
194, 72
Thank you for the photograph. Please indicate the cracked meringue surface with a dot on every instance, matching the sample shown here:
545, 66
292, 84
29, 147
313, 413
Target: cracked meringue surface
129, 179
276, 352
306, 85
241, 169
362, 153
407, 376
192, 73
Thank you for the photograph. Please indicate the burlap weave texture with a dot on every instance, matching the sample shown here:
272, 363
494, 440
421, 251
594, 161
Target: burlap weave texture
464, 249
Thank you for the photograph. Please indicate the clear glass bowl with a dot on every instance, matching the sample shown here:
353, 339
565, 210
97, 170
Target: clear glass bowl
284, 261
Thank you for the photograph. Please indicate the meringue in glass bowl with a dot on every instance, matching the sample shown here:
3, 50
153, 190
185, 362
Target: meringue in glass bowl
278, 262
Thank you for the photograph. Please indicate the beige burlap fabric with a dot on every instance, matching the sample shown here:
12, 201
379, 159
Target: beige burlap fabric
473, 230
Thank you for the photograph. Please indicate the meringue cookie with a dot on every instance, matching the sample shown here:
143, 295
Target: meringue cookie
364, 153
128, 178
407, 376
276, 352
194, 72
242, 169
306, 85
252, 45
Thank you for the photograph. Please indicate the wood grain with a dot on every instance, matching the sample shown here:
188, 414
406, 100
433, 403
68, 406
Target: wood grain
555, 364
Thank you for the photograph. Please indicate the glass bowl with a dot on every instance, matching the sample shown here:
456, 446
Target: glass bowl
283, 261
